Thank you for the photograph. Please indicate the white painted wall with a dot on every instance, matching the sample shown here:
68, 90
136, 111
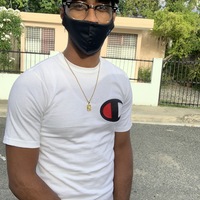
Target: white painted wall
6, 82
143, 93
148, 93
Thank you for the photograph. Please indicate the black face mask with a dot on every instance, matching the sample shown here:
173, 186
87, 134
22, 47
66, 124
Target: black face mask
87, 36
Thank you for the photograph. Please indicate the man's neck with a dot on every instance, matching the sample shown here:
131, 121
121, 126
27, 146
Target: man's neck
79, 59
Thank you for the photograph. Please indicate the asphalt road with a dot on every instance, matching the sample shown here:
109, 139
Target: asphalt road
166, 163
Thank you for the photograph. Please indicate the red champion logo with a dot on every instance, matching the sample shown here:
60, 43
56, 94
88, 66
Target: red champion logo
110, 110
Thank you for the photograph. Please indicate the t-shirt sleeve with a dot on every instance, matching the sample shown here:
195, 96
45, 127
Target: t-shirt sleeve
125, 122
25, 110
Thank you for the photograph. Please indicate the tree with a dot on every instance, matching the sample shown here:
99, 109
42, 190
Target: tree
138, 8
42, 6
2, 2
181, 5
11, 29
178, 29
147, 8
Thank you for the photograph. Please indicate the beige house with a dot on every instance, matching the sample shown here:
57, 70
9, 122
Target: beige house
130, 39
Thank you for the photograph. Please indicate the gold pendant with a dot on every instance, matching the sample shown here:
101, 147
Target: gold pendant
89, 107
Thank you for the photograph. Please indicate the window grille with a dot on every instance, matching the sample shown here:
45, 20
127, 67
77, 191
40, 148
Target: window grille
121, 46
40, 40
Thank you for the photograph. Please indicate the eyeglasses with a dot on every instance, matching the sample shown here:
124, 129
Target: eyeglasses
79, 10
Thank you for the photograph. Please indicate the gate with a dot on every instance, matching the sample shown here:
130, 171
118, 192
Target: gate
180, 83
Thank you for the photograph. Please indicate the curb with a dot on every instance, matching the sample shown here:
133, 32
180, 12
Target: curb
3, 114
3, 108
187, 120
167, 124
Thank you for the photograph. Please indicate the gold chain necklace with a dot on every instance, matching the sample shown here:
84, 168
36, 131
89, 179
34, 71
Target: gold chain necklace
89, 106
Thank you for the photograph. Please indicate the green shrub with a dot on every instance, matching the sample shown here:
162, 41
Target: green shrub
144, 75
194, 72
11, 29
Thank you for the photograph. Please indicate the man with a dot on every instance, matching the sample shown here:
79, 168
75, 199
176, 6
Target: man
68, 125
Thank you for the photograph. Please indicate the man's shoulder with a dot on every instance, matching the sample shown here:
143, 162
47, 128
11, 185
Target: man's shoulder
47, 67
42, 71
49, 62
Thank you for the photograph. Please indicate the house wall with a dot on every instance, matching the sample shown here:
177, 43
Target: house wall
147, 46
151, 47
46, 21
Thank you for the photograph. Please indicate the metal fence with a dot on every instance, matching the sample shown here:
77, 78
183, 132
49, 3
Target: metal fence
180, 83
136, 69
18, 62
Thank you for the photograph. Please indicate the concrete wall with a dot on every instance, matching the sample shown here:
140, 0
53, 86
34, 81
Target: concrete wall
143, 93
148, 93
6, 82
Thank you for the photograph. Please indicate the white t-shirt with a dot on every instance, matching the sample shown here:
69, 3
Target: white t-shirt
47, 110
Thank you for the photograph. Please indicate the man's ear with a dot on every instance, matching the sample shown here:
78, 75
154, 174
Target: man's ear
62, 12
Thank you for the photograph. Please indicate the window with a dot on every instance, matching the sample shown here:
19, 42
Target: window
40, 40
121, 46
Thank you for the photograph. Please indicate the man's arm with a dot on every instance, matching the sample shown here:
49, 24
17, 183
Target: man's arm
23, 180
123, 169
